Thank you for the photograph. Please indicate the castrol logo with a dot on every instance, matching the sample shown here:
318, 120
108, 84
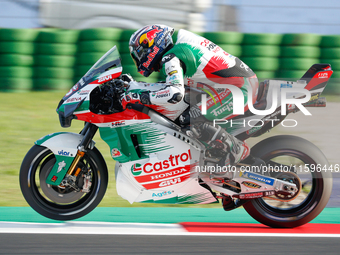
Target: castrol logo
172, 162
163, 173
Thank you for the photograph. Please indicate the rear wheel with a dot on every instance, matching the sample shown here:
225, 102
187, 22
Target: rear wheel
309, 165
56, 201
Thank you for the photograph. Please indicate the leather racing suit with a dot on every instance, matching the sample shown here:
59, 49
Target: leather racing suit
197, 62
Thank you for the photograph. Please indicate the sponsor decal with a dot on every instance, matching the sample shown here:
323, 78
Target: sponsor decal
244, 66
54, 178
258, 177
151, 56
84, 92
173, 161
168, 57
149, 84
118, 124
64, 153
136, 169
61, 165
208, 44
167, 182
269, 193
105, 78
162, 92
149, 36
238, 101
163, 173
251, 185
162, 95
228, 106
170, 69
253, 130
73, 99
251, 195
190, 82
74, 88
315, 97
161, 194
286, 85
173, 78
170, 182
323, 75
115, 153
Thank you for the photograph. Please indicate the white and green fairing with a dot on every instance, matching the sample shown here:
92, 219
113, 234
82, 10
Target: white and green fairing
64, 147
156, 165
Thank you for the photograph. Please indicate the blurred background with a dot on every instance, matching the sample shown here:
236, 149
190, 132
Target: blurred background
262, 16
46, 46
50, 44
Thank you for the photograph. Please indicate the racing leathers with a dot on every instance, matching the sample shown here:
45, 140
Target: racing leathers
197, 62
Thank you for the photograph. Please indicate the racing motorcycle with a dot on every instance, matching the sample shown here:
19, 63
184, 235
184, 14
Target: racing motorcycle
283, 183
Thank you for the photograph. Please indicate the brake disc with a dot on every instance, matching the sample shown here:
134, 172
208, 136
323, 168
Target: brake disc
57, 194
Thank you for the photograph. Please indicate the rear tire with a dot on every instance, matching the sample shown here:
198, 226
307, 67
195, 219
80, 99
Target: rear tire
317, 193
56, 202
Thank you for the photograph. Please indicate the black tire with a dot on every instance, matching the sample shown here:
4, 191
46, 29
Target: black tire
37, 164
320, 184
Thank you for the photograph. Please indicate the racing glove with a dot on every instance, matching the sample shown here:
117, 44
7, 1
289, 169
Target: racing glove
135, 97
127, 78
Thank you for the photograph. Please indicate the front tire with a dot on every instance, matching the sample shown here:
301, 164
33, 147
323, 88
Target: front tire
315, 194
57, 202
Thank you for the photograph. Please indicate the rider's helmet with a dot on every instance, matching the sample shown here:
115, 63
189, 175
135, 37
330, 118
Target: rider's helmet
148, 45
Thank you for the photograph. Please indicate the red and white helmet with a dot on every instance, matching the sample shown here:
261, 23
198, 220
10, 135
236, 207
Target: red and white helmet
148, 45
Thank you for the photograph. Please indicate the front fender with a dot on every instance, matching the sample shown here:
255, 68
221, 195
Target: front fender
64, 146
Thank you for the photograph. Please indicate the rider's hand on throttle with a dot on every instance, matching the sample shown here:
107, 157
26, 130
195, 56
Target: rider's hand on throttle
135, 97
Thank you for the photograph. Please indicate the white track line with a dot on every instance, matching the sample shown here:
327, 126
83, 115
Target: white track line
110, 228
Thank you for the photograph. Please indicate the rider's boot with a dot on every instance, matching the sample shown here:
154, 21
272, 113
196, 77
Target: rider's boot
221, 142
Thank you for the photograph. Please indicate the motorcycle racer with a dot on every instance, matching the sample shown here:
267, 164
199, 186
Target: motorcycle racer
197, 62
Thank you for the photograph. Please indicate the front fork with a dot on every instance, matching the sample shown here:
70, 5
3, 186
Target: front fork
88, 132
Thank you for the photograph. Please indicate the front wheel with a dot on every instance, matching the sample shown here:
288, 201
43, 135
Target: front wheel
308, 164
56, 201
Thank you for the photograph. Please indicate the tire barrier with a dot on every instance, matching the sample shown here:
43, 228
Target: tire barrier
55, 59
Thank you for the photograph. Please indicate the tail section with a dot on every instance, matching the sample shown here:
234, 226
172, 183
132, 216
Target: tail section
316, 78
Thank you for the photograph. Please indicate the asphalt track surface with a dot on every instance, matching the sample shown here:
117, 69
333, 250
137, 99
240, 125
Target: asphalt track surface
217, 238
135, 244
